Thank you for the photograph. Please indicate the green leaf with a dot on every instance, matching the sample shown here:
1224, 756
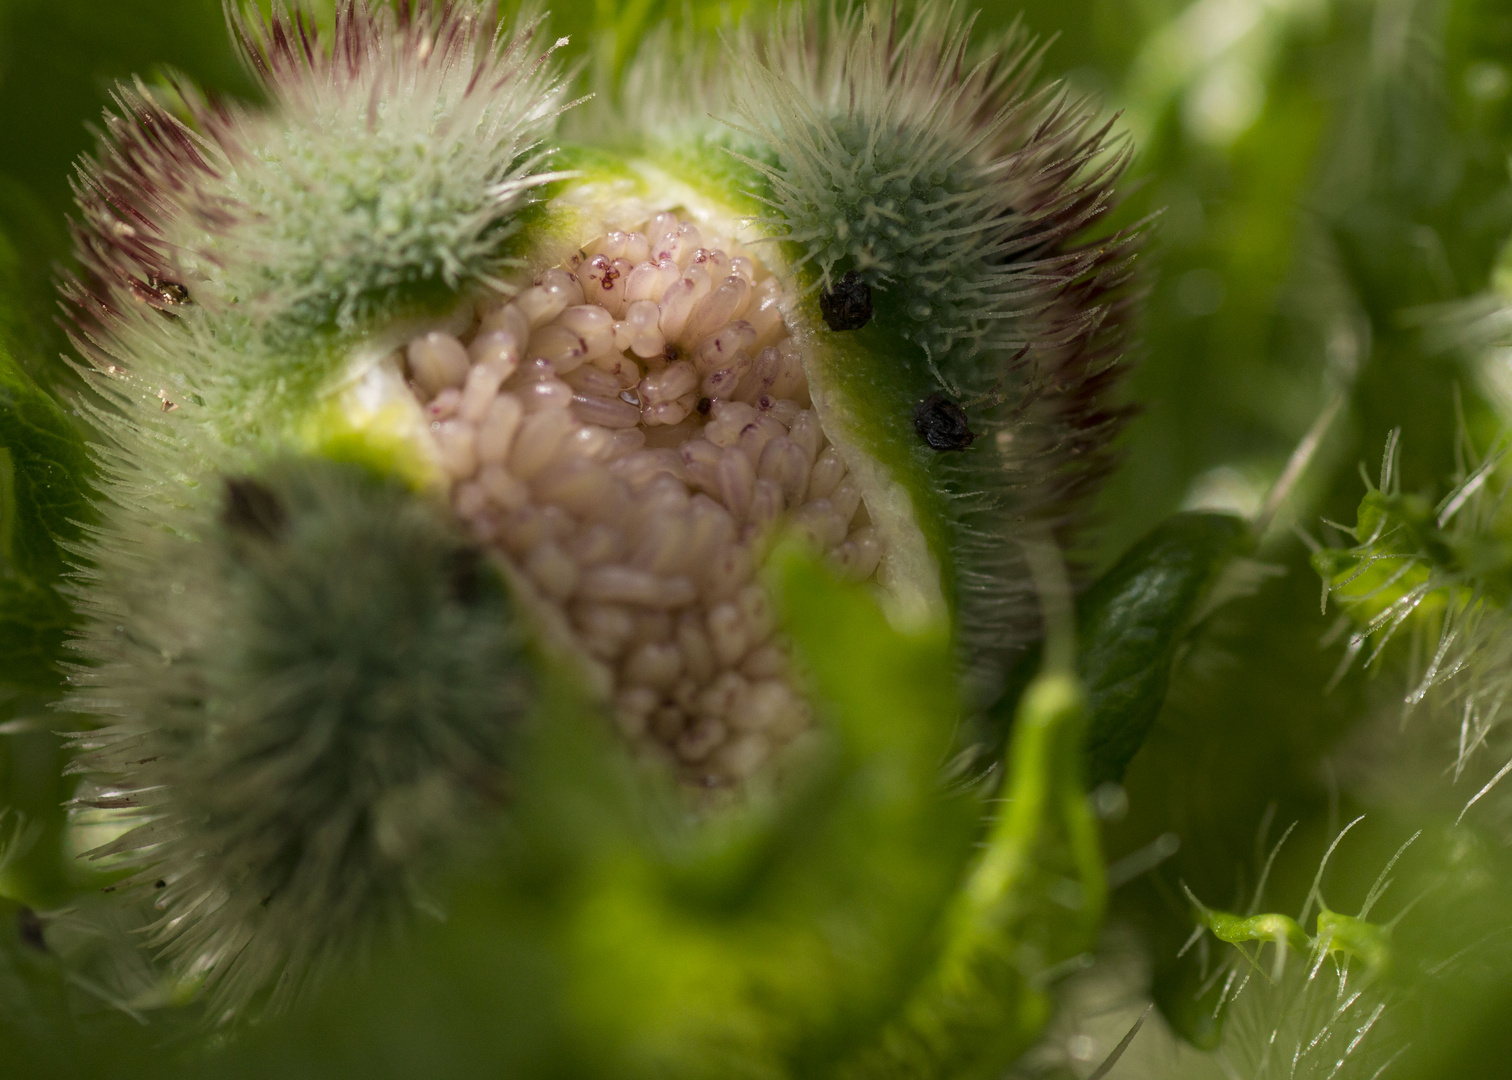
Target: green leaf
1131, 625
44, 476
45, 471
603, 939
1132, 622
1031, 901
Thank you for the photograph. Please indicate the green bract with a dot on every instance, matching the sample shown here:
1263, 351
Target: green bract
1438, 574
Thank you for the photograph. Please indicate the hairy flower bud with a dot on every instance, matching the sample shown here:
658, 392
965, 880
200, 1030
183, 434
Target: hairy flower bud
855, 309
885, 151
305, 691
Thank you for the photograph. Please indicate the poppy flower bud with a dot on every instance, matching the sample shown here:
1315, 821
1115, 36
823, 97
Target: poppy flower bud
610, 374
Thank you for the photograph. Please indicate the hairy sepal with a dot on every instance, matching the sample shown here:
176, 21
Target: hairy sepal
385, 178
867, 140
309, 696
1031, 901
1440, 576
618, 951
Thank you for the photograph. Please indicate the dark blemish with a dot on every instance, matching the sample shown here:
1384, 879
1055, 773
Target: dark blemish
847, 304
29, 925
169, 292
466, 574
704, 405
253, 509
158, 293
611, 275
160, 884
941, 423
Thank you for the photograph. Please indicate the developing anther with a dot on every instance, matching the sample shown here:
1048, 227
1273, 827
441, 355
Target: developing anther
942, 424
847, 304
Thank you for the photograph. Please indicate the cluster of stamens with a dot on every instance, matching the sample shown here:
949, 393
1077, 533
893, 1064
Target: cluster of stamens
628, 434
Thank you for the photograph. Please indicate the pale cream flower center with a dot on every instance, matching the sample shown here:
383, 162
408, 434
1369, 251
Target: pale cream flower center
628, 434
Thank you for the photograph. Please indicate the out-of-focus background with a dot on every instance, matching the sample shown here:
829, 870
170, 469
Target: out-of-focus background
1331, 181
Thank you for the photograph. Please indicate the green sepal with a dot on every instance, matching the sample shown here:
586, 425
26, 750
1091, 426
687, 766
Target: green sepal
1394, 532
718, 164
600, 939
1401, 547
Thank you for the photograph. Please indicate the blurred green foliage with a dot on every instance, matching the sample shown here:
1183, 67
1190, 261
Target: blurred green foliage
1328, 174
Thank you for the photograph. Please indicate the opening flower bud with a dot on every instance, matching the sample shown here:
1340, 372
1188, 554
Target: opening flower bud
611, 373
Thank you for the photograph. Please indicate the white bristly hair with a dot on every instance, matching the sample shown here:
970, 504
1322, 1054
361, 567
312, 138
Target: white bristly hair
230, 260
885, 142
301, 700
934, 170
390, 166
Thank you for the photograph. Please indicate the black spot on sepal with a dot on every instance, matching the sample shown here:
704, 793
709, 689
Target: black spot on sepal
942, 424
847, 304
